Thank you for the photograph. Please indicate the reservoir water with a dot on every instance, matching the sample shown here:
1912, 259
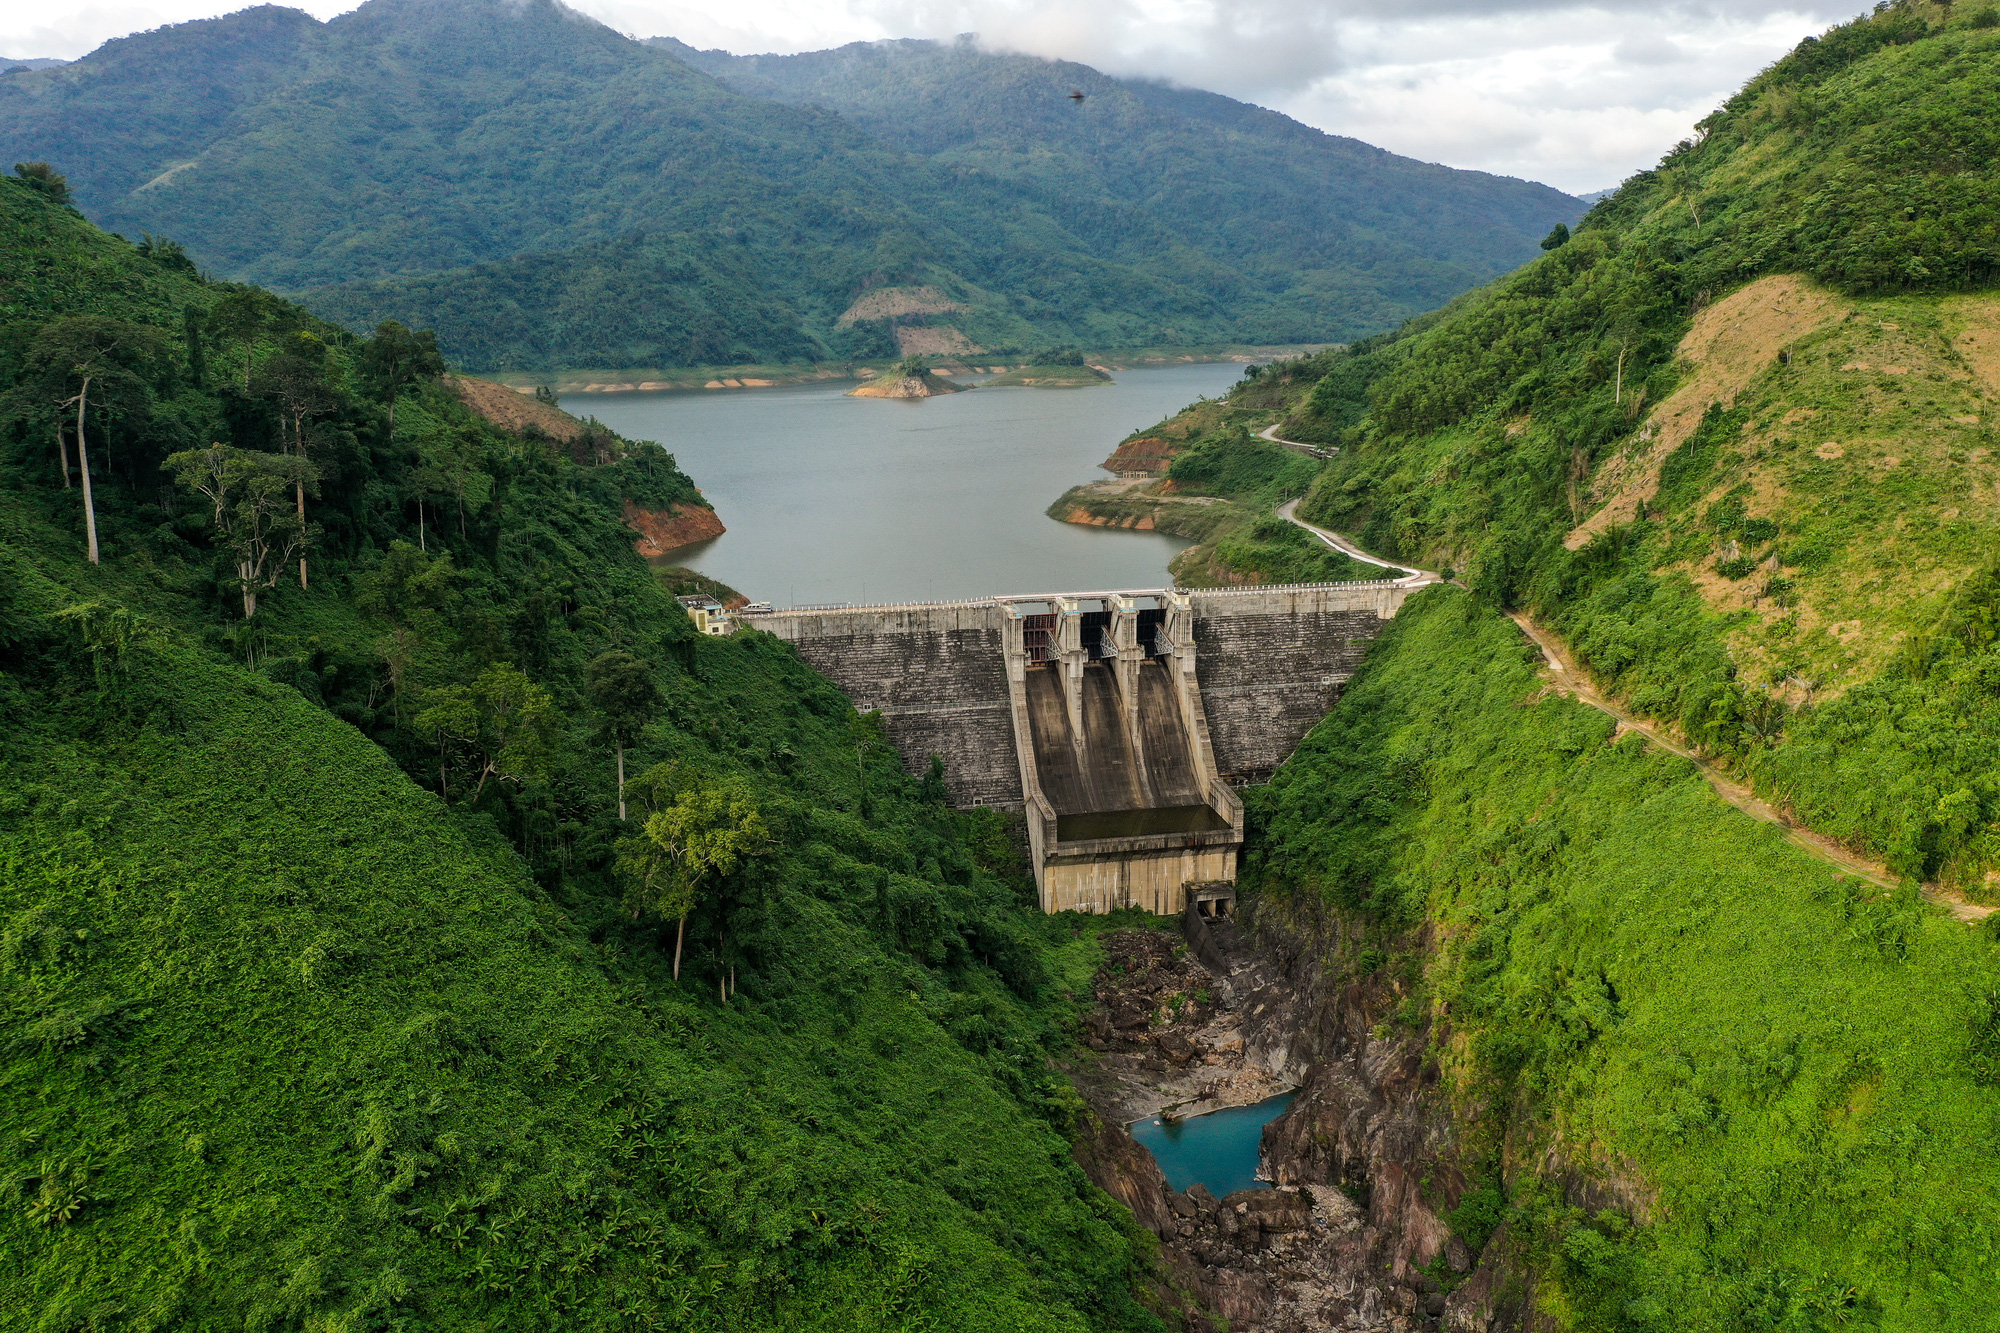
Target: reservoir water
1218, 1150
835, 499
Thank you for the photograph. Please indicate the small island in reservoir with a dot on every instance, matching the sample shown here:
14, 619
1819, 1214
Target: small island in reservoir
909, 378
1062, 368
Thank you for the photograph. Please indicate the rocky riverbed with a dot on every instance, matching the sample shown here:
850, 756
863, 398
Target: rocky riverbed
1164, 1036
1353, 1236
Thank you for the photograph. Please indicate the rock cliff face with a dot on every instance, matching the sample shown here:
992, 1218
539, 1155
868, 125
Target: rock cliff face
661, 531
1136, 522
1366, 1161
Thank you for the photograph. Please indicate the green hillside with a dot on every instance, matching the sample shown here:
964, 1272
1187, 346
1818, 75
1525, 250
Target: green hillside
546, 193
1707, 1085
1208, 473
1734, 438
328, 1005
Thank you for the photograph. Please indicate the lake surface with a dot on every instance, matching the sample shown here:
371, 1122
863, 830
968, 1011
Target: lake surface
1218, 1150
835, 499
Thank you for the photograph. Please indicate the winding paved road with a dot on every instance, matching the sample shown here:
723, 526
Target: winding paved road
1414, 577
1570, 679
1270, 433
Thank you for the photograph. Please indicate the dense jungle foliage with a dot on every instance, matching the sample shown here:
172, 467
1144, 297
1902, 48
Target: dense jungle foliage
1781, 1080
546, 193
1795, 582
329, 1004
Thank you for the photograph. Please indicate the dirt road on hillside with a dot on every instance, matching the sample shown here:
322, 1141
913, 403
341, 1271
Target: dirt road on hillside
1570, 679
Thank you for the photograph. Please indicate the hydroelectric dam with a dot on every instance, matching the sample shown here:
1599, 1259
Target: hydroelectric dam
1119, 723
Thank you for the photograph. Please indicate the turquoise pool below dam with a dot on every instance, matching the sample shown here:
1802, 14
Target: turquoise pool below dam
1219, 1150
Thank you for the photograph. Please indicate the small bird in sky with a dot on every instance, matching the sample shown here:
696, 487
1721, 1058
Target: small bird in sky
1076, 95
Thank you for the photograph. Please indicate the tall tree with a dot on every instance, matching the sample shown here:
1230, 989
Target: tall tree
167, 254
415, 594
247, 491
295, 380
445, 466
701, 834
36, 409
88, 360
503, 725
621, 687
62, 446
248, 315
43, 179
396, 358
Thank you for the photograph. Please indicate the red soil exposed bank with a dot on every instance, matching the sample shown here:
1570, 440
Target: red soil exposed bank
661, 531
1148, 456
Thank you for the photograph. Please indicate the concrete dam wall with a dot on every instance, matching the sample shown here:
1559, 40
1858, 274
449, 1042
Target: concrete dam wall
1271, 663
1117, 722
938, 673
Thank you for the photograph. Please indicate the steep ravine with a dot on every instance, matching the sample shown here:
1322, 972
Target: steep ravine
1367, 1161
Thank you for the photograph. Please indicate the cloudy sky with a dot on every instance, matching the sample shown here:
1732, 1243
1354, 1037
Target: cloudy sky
1579, 96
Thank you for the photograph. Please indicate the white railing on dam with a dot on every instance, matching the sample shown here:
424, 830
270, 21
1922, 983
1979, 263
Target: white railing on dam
829, 608
1250, 588
1003, 599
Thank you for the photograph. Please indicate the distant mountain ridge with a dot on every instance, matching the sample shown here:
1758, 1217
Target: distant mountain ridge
546, 192
1315, 196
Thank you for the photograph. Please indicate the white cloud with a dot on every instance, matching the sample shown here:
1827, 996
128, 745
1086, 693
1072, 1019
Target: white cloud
1579, 99
31, 28
1579, 95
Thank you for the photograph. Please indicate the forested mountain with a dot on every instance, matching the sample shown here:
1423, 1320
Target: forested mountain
1734, 443
341, 994
1297, 212
545, 192
338, 992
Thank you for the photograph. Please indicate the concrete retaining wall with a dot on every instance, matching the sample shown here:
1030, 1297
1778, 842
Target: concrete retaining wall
1269, 661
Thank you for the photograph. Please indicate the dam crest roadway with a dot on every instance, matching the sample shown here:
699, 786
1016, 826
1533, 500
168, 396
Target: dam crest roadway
1118, 722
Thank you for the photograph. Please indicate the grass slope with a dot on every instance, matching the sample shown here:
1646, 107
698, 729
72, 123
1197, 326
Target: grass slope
1784, 1080
297, 1043
310, 1028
